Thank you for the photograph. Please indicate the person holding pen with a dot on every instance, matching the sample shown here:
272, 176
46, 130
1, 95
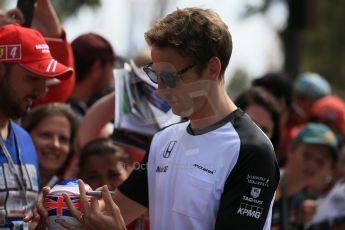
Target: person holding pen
216, 170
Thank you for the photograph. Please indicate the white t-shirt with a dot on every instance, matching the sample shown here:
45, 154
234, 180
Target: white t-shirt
223, 177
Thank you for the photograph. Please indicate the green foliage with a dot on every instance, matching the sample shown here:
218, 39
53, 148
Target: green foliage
322, 46
68, 8
323, 49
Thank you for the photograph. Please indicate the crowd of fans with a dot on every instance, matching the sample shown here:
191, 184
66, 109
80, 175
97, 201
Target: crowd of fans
309, 146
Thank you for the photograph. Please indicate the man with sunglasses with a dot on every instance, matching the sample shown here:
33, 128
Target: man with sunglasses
215, 171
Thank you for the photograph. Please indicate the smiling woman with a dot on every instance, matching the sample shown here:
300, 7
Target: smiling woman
52, 128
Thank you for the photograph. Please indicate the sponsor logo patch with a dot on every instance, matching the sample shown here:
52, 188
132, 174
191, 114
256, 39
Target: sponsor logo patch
162, 169
44, 48
258, 180
249, 210
252, 200
11, 52
169, 149
255, 193
204, 169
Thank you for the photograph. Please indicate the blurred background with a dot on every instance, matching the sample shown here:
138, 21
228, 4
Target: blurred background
268, 35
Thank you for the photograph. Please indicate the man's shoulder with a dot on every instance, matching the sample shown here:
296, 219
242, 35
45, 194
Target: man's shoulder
19, 131
21, 134
251, 136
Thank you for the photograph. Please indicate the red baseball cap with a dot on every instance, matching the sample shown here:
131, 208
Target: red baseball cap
330, 110
27, 47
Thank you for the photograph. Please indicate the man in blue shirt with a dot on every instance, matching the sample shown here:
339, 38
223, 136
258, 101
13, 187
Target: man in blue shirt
25, 66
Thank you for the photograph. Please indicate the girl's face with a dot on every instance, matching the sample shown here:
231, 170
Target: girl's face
102, 170
51, 138
262, 118
310, 163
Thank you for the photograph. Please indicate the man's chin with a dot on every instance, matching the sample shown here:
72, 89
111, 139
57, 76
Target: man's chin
183, 113
20, 113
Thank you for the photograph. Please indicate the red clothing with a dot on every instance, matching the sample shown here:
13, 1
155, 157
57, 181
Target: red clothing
135, 155
61, 50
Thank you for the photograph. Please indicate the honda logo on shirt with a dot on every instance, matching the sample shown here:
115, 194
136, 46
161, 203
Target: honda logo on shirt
169, 148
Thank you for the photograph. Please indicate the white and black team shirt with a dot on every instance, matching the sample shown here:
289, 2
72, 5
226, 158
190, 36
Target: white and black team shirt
223, 177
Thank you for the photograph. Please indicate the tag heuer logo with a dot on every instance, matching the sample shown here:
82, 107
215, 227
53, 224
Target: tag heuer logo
255, 193
169, 148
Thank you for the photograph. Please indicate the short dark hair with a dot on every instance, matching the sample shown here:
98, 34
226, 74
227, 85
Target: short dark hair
101, 147
198, 34
278, 84
89, 48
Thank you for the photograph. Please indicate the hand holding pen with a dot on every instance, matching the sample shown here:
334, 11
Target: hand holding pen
98, 194
95, 216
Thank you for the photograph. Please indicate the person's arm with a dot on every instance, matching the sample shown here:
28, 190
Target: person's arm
59, 91
95, 120
11, 17
46, 21
249, 190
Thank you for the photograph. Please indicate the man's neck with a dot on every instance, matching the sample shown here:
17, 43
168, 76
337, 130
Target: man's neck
82, 92
4, 122
217, 108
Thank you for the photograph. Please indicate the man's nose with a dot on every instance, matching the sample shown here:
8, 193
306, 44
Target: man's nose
55, 142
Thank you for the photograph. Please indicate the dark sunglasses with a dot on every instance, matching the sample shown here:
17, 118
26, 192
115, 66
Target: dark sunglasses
169, 78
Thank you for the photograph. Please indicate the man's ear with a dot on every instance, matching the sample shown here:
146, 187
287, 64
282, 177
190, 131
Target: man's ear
214, 67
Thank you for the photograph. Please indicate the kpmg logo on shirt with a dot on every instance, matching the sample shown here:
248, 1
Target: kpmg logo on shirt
250, 210
169, 148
